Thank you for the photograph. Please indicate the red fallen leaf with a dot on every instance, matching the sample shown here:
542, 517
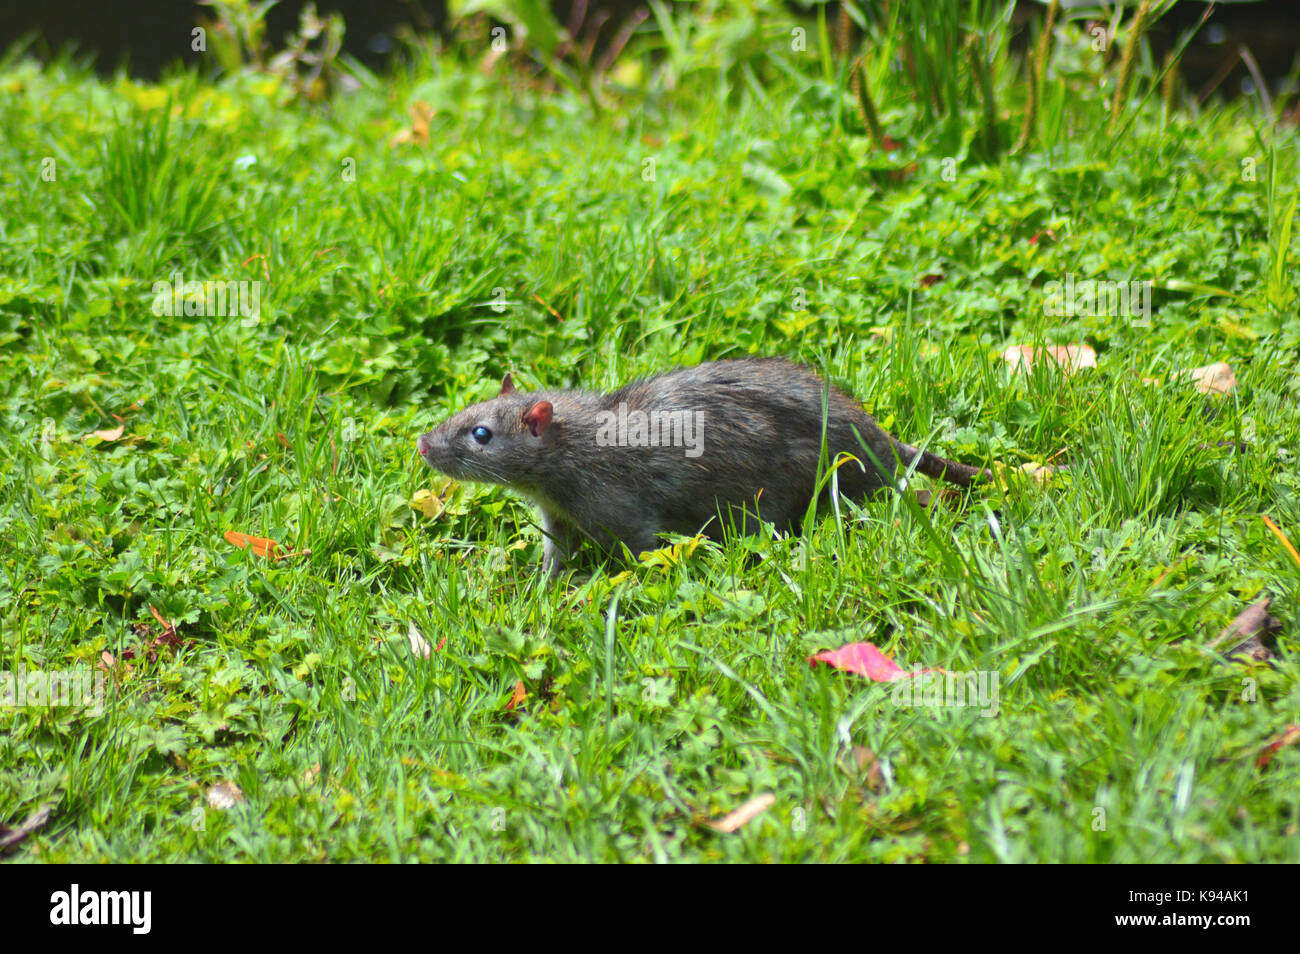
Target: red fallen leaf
889, 144
442, 642
864, 659
1289, 737
284, 441
1047, 235
259, 545
932, 279
517, 696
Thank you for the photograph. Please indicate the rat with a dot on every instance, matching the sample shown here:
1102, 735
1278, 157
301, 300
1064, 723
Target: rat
725, 443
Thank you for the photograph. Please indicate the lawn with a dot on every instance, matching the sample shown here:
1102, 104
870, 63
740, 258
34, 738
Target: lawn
313, 648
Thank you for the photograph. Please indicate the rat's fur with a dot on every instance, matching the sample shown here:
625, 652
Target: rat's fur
761, 424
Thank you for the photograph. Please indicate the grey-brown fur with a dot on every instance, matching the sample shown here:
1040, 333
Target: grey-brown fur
761, 430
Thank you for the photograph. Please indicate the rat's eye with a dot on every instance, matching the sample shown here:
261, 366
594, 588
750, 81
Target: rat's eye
481, 434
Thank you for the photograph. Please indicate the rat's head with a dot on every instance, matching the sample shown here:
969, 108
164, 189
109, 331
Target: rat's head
497, 441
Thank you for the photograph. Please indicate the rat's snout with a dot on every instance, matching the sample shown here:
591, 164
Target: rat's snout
425, 446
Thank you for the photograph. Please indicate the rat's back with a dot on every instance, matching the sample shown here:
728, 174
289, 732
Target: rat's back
759, 425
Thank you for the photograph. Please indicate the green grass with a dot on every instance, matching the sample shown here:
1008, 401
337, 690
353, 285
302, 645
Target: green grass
671, 691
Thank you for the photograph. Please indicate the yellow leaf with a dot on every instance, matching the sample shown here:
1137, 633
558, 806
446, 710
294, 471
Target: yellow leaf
1040, 474
671, 555
428, 503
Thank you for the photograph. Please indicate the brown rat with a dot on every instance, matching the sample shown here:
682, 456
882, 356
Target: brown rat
730, 441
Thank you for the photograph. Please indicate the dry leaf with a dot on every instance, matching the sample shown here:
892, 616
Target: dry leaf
744, 814
419, 645
1250, 633
225, 795
1211, 379
169, 636
869, 765
114, 667
517, 696
112, 434
259, 545
1069, 358
11, 838
421, 113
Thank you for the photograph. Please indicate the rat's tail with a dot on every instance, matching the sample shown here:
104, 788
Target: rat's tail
932, 465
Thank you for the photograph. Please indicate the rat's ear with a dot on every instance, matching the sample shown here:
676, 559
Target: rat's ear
538, 418
507, 385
